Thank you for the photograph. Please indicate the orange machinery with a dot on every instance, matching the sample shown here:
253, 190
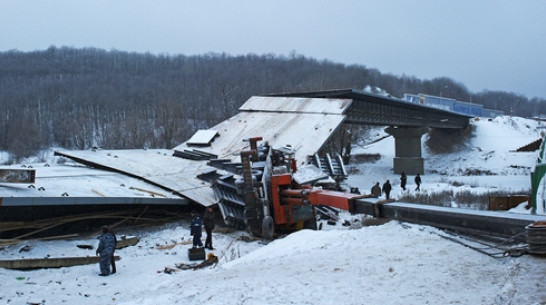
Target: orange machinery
275, 201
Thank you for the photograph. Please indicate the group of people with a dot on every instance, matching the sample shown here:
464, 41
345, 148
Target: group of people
196, 228
387, 187
108, 240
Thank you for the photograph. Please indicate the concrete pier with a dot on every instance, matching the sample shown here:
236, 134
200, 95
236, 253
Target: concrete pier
407, 146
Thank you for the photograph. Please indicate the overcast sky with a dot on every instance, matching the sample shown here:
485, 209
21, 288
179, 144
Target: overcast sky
484, 44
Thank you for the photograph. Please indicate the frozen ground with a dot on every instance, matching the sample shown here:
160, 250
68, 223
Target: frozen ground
389, 264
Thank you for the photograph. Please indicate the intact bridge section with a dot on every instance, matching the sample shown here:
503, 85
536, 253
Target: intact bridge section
406, 121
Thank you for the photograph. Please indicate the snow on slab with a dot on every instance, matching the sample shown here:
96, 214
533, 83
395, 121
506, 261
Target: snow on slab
304, 124
76, 180
296, 104
202, 137
305, 133
308, 174
155, 165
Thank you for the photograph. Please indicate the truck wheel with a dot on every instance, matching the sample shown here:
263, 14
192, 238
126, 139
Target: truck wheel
268, 227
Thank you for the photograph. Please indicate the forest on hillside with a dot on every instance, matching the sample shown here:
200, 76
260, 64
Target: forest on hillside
83, 98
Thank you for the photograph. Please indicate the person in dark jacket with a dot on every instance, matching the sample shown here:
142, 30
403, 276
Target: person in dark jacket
417, 182
376, 190
107, 244
208, 222
403, 180
196, 230
387, 189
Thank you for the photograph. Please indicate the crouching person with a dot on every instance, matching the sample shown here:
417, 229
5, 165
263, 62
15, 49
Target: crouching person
107, 245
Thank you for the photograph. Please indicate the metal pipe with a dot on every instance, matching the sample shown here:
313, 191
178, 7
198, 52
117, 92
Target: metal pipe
295, 193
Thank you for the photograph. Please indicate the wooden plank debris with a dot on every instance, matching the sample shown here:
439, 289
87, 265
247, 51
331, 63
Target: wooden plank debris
121, 243
125, 241
49, 262
147, 191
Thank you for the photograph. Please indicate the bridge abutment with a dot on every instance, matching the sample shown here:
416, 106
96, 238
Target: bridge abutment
407, 149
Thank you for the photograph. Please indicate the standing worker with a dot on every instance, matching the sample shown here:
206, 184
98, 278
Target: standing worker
403, 180
107, 244
208, 222
418, 182
196, 230
376, 190
387, 189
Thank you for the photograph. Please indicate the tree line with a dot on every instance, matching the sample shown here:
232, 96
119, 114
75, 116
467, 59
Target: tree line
83, 98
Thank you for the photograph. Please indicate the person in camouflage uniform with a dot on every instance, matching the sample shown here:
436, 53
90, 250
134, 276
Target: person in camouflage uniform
107, 245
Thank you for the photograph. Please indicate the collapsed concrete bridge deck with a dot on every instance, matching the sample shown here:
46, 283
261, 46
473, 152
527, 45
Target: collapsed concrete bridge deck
304, 122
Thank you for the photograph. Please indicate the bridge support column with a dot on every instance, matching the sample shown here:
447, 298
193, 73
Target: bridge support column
407, 149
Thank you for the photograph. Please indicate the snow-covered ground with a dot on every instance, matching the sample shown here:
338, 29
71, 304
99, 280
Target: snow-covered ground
393, 263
